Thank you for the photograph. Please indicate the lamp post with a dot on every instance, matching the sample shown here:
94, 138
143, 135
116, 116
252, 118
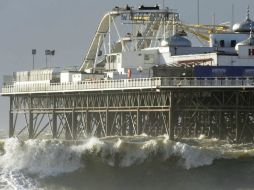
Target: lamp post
52, 53
47, 52
33, 53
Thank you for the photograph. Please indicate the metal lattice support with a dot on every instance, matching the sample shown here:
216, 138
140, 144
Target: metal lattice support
216, 113
223, 114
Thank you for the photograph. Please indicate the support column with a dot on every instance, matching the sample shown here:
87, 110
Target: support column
171, 119
31, 120
221, 126
123, 127
74, 126
11, 124
138, 129
238, 131
88, 124
68, 126
138, 116
107, 123
54, 125
98, 125
54, 120
31, 127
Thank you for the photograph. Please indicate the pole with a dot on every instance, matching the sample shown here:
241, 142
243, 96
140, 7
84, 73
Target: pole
198, 11
74, 125
33, 53
109, 35
171, 118
233, 16
46, 61
54, 117
31, 127
33, 61
11, 125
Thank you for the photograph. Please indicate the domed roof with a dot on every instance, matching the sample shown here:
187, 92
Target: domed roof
245, 26
176, 41
247, 42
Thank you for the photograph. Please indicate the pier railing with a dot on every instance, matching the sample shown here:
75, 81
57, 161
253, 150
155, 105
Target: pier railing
138, 83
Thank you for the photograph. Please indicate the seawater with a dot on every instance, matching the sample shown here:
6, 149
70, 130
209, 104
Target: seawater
124, 163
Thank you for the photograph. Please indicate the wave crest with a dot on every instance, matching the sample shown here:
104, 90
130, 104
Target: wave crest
54, 157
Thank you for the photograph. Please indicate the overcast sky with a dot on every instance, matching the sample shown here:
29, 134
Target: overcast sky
68, 26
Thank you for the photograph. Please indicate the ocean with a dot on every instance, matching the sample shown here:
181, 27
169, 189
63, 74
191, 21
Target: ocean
126, 163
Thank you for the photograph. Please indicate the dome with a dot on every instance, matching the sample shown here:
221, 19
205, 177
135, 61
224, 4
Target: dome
245, 26
247, 42
176, 41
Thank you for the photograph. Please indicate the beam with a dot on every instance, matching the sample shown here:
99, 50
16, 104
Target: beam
54, 125
31, 127
30, 119
11, 123
171, 119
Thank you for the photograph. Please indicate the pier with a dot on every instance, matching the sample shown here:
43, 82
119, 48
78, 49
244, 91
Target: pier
151, 80
220, 108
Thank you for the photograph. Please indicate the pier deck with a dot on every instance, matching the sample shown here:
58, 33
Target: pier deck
180, 107
128, 84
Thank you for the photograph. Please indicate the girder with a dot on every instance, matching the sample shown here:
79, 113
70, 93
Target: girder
216, 113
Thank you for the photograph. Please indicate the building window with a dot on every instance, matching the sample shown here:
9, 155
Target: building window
111, 59
233, 43
222, 43
149, 59
251, 52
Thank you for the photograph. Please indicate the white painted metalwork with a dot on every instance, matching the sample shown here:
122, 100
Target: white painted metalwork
128, 84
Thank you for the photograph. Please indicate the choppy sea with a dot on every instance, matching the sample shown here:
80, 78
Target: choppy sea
126, 163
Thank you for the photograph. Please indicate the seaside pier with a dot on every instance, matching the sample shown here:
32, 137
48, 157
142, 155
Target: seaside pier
220, 108
142, 75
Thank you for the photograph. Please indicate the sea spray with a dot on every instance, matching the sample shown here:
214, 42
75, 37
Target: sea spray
40, 157
195, 156
54, 157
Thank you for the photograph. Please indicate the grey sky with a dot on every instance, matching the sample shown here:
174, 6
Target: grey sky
68, 27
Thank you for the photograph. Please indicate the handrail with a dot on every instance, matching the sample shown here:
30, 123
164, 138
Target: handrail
140, 83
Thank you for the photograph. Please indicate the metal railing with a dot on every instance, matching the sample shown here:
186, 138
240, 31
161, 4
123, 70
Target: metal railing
139, 83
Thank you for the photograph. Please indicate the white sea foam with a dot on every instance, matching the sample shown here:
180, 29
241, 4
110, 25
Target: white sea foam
15, 180
51, 157
195, 156
39, 157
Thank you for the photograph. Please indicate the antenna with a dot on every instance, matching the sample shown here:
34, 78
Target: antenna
198, 11
164, 21
233, 16
248, 13
251, 32
214, 22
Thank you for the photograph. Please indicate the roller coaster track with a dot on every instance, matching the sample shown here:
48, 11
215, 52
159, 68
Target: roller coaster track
97, 41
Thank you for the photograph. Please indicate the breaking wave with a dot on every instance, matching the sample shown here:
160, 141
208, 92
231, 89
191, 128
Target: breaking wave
22, 163
52, 157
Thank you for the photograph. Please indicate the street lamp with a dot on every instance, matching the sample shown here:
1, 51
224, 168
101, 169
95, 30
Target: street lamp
33, 53
47, 52
50, 53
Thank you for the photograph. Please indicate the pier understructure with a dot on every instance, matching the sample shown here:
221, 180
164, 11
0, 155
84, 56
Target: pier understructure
179, 107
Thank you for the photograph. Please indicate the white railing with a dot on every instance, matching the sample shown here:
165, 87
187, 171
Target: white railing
140, 83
